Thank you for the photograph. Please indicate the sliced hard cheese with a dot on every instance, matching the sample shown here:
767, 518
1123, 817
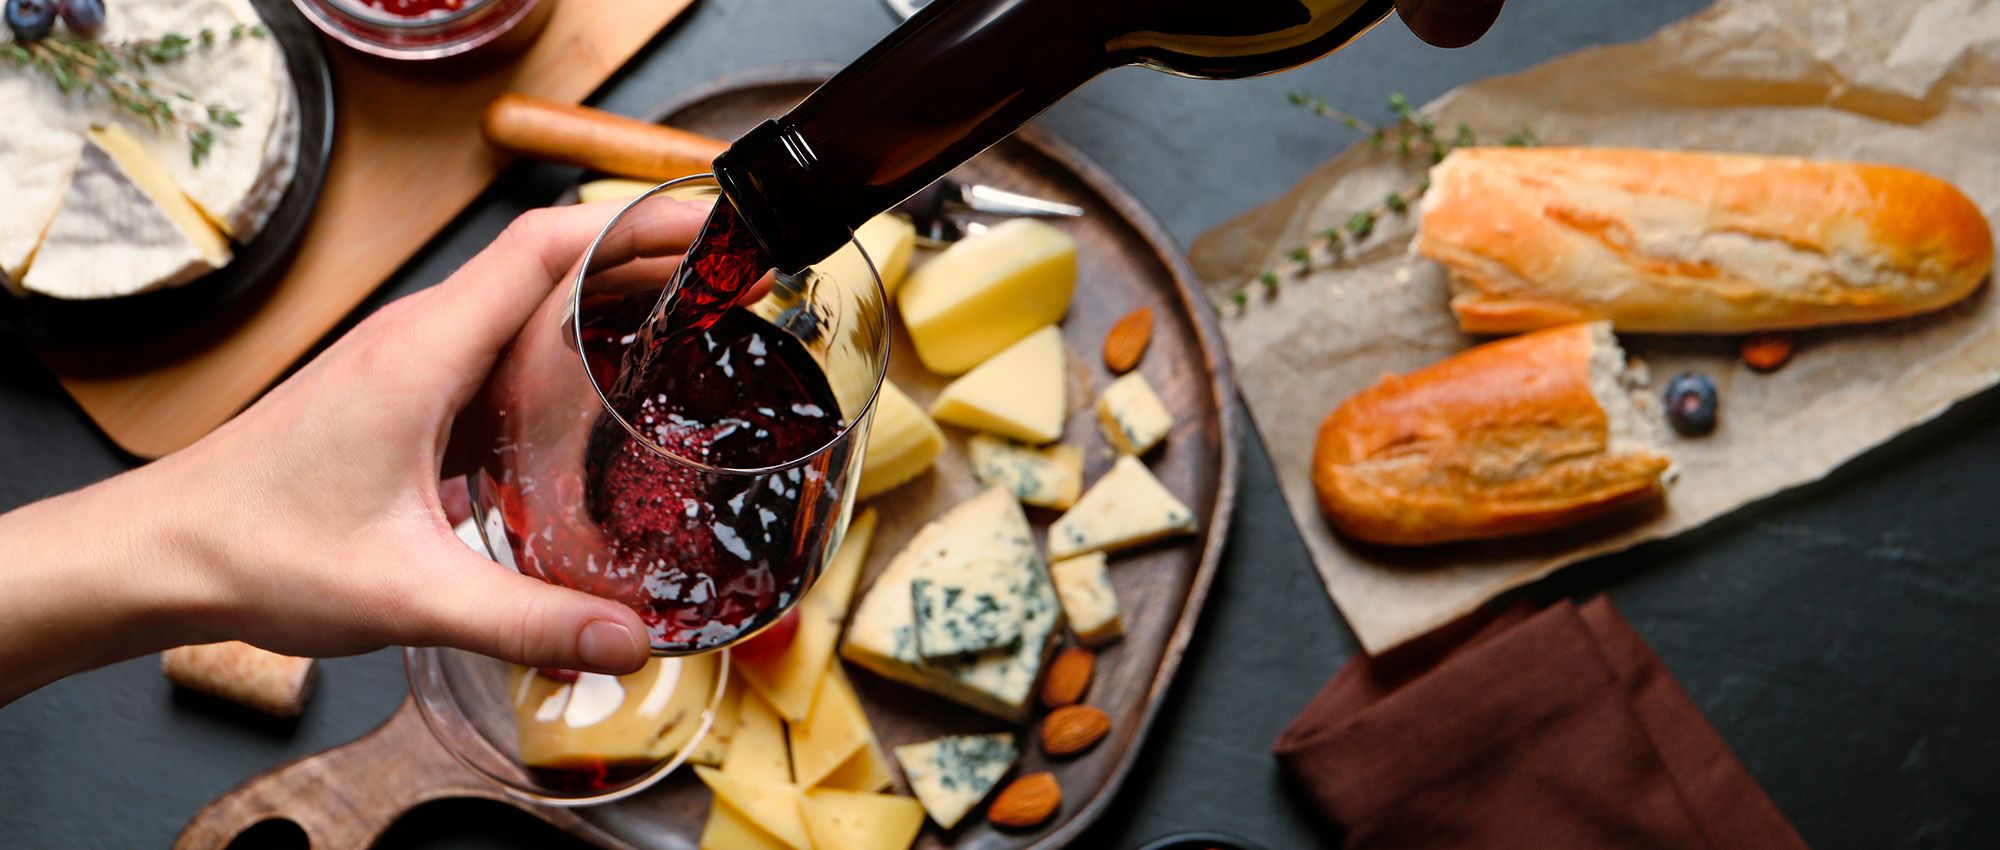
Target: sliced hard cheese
729, 829
122, 228
643, 716
882, 635
612, 189
1131, 416
758, 753
986, 292
715, 743
951, 775
1048, 477
850, 820
902, 443
835, 729
889, 240
787, 679
1020, 393
866, 770
772, 806
1088, 599
969, 607
1127, 507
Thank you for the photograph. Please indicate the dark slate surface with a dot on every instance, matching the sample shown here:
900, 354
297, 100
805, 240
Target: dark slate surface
1843, 639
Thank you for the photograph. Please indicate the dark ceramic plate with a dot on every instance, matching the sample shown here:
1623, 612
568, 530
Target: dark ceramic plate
1199, 841
41, 320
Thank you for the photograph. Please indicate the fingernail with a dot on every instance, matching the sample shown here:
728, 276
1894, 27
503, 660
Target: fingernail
605, 645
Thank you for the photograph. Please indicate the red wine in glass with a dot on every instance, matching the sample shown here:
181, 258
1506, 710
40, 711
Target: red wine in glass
706, 503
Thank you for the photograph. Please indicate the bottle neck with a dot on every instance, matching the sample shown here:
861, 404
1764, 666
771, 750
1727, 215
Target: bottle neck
961, 75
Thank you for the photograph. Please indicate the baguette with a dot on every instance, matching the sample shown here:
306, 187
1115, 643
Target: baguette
1518, 436
1660, 241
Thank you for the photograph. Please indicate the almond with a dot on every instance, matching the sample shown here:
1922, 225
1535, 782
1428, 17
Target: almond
1766, 352
1028, 802
1072, 729
1127, 341
1069, 677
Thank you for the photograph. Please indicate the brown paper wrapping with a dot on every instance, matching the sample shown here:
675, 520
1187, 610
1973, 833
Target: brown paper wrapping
1914, 84
264, 680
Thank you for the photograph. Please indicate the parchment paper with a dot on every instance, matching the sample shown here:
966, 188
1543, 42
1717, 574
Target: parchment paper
1910, 83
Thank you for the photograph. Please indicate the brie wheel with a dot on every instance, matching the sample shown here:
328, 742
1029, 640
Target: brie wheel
56, 240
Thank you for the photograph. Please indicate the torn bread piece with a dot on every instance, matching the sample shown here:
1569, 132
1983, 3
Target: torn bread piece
264, 680
1513, 437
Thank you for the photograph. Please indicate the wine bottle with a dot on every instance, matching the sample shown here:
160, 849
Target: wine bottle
962, 74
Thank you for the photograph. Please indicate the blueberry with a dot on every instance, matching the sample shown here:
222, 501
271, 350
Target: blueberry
30, 19
1691, 403
83, 17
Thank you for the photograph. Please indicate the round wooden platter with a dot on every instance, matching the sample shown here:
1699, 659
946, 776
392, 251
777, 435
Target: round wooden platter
1125, 261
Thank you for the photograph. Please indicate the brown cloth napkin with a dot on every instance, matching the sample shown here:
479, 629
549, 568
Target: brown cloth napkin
1533, 730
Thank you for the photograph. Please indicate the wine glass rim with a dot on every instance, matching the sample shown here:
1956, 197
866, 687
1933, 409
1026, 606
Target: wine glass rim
604, 400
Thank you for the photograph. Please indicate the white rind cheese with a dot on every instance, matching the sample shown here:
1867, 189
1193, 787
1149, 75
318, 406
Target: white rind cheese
236, 186
115, 234
882, 635
1045, 477
1088, 599
1127, 507
1131, 415
964, 608
951, 775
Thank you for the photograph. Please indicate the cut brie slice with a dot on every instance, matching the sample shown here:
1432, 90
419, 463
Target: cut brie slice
122, 228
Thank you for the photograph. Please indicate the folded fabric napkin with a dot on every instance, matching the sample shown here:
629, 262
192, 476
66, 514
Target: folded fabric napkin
1546, 730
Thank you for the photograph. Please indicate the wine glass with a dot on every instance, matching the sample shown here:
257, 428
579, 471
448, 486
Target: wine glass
707, 495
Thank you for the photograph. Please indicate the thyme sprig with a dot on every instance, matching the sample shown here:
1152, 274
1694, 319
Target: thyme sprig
1416, 138
116, 70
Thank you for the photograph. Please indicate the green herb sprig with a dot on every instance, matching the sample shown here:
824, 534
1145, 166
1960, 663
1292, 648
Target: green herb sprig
117, 71
1415, 138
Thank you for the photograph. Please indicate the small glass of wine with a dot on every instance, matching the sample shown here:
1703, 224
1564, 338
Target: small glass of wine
678, 433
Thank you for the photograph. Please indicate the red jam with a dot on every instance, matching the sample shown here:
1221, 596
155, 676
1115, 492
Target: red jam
415, 8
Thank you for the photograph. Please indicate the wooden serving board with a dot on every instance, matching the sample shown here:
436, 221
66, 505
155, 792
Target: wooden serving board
407, 158
1126, 260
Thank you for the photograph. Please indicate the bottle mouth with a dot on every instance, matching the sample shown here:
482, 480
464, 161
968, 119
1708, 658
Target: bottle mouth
879, 357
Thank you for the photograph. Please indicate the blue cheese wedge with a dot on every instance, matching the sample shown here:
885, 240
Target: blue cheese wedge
965, 608
1088, 599
882, 636
1127, 507
951, 775
1049, 478
1131, 415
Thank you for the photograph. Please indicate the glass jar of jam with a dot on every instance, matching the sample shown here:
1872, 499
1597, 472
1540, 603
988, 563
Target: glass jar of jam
422, 30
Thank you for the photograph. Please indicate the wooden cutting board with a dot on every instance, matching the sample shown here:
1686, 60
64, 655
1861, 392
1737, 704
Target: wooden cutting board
407, 157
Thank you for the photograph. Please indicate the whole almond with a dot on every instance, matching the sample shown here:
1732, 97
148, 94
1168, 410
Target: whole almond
1028, 802
1767, 351
1072, 729
1127, 341
1069, 677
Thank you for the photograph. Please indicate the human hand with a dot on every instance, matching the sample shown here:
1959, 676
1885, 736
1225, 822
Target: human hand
311, 523
1449, 23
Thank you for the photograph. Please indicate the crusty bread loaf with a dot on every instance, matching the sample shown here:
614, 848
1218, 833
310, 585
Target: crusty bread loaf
1526, 434
1694, 242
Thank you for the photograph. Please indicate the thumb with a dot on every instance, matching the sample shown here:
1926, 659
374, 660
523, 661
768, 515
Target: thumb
494, 611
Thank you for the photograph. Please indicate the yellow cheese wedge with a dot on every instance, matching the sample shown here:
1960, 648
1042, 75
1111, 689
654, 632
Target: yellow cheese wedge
986, 292
612, 189
758, 752
772, 806
902, 443
889, 239
1019, 393
729, 829
835, 729
643, 716
849, 820
866, 770
788, 679
715, 744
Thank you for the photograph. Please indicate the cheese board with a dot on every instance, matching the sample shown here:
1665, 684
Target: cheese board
981, 723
